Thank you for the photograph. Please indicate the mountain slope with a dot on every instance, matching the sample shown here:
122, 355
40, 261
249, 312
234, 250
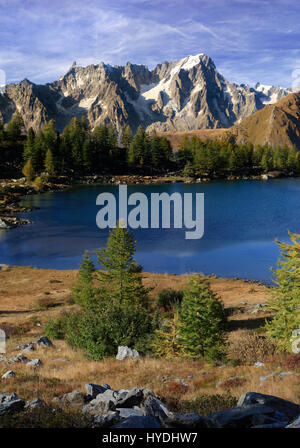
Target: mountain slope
275, 124
175, 96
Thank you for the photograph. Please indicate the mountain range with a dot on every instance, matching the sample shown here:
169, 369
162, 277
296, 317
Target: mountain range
182, 95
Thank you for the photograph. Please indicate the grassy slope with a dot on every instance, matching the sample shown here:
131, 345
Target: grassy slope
22, 291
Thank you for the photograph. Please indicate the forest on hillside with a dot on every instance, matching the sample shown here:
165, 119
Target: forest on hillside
79, 151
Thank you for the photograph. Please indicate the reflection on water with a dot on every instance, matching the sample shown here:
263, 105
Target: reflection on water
242, 220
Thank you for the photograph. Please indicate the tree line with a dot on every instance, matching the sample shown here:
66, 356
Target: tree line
220, 158
78, 150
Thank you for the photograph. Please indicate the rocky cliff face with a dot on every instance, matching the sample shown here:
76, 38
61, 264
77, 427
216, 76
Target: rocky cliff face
175, 96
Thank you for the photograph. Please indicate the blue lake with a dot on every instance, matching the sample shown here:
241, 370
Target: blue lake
242, 219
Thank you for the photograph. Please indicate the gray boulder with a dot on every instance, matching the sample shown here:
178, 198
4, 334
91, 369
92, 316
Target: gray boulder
73, 398
37, 403
295, 423
102, 403
4, 398
153, 407
271, 425
106, 420
240, 417
138, 422
4, 224
29, 348
36, 362
131, 398
3, 358
10, 407
125, 352
129, 412
185, 421
44, 342
281, 406
8, 374
93, 389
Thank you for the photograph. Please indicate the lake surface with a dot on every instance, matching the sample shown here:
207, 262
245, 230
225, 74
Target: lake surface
242, 219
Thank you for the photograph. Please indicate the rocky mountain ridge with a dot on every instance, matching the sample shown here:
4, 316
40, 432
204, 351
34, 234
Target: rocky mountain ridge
175, 96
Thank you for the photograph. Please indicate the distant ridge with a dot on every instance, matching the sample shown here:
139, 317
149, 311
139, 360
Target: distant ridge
276, 124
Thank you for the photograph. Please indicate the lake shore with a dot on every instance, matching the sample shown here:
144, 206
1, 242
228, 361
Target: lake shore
14, 190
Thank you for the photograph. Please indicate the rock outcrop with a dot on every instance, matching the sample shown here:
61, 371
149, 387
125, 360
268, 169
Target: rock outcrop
104, 407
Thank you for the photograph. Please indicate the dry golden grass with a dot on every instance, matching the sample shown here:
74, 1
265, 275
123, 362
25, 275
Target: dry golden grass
56, 377
21, 289
175, 138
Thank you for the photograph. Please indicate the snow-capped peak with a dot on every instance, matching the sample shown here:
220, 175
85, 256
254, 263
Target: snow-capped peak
271, 94
190, 61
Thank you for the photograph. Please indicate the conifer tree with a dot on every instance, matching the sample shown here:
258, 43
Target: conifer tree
203, 321
15, 127
121, 281
49, 163
28, 171
166, 342
126, 137
84, 291
285, 299
29, 145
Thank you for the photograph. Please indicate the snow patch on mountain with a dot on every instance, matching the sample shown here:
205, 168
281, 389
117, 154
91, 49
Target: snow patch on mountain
271, 94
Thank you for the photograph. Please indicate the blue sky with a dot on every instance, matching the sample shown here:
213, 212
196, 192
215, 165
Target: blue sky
249, 40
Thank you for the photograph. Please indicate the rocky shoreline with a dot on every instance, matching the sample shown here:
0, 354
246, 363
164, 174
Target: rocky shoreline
12, 191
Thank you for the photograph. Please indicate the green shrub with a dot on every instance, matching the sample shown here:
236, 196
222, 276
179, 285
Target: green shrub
100, 333
55, 328
169, 298
203, 322
285, 302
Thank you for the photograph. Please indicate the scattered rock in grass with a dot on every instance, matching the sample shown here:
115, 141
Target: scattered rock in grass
4, 398
125, 352
36, 362
233, 381
44, 342
37, 403
29, 348
259, 364
10, 407
280, 375
8, 374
